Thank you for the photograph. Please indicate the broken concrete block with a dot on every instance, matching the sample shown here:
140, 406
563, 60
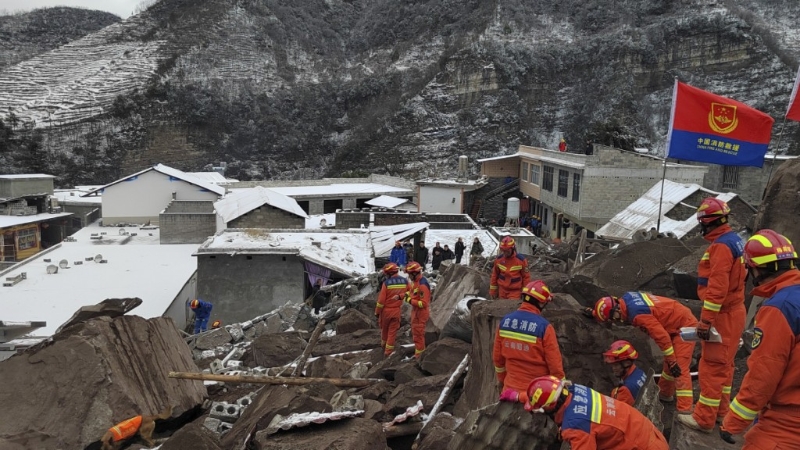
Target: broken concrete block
273, 350
373, 409
259, 370
236, 332
351, 321
224, 411
216, 366
212, 424
234, 364
338, 400
212, 339
328, 367
205, 354
443, 355
354, 403
246, 401
224, 427
359, 370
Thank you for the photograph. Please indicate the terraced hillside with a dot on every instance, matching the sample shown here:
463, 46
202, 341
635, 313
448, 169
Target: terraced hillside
284, 89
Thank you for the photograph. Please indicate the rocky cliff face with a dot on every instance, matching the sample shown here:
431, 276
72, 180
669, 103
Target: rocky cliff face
331, 87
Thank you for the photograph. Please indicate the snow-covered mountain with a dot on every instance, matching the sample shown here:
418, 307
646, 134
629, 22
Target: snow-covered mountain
286, 89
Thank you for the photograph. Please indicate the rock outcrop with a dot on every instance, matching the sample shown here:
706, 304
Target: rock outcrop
91, 376
781, 206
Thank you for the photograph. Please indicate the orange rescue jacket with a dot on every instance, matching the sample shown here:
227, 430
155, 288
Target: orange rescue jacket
126, 429
660, 317
509, 276
419, 295
771, 380
721, 273
393, 290
630, 386
525, 347
591, 421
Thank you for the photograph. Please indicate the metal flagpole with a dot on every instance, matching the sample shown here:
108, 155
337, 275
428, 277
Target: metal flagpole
774, 157
666, 154
661, 197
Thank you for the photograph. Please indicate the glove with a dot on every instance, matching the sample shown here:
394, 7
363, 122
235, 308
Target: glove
509, 395
726, 436
674, 368
588, 313
703, 330
407, 298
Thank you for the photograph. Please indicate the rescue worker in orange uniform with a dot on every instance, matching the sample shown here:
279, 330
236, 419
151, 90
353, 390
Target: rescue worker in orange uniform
419, 297
661, 318
525, 344
630, 379
510, 272
720, 285
390, 300
770, 389
588, 420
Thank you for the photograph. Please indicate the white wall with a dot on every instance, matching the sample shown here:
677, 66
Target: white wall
143, 198
439, 199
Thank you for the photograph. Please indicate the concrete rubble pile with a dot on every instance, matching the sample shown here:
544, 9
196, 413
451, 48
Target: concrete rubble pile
110, 367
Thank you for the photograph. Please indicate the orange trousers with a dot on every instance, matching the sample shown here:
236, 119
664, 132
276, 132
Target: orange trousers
774, 430
681, 387
716, 367
390, 323
419, 317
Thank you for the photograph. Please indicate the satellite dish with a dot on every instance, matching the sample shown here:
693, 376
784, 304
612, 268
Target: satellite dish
64, 264
51, 269
323, 222
98, 257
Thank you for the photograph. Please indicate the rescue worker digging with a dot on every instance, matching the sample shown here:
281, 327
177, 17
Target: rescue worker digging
770, 390
202, 311
510, 272
419, 297
630, 378
387, 309
720, 285
525, 344
661, 318
588, 420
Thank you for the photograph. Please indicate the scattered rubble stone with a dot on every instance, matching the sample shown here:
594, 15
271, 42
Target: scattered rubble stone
372, 409
194, 436
352, 320
426, 389
357, 340
504, 425
438, 433
212, 339
272, 350
457, 282
113, 307
443, 356
379, 391
328, 367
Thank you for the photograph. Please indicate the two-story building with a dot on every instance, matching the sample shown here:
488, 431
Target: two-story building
583, 190
748, 182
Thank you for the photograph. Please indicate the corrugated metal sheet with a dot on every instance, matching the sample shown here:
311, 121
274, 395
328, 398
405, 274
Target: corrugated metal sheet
384, 237
304, 419
242, 201
643, 213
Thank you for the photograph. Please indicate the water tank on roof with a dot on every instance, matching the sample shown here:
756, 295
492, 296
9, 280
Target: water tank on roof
513, 208
463, 168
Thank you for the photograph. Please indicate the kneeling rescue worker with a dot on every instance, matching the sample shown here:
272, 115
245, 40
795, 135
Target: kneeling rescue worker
387, 309
661, 318
770, 390
419, 297
525, 344
630, 378
589, 420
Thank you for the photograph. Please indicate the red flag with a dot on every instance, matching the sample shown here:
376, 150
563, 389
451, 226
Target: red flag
793, 113
710, 128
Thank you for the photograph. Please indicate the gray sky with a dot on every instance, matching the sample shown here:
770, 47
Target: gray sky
122, 8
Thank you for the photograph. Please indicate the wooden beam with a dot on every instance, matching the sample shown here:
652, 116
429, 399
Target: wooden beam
338, 382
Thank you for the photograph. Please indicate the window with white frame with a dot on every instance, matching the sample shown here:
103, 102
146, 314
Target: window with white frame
547, 178
535, 174
524, 171
563, 183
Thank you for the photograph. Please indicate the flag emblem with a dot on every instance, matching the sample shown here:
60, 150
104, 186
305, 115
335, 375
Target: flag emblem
722, 118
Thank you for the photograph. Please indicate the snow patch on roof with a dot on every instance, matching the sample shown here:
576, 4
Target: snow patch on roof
315, 221
137, 267
345, 252
372, 189
211, 177
386, 201
25, 176
241, 201
12, 221
169, 171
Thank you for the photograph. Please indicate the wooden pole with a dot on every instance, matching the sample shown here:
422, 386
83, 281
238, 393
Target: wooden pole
338, 382
462, 367
301, 364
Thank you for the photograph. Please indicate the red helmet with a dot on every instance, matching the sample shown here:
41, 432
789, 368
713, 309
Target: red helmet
194, 304
413, 267
620, 351
537, 290
604, 309
507, 243
543, 392
390, 269
711, 209
767, 246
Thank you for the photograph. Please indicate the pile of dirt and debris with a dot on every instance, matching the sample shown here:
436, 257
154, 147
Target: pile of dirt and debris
781, 206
